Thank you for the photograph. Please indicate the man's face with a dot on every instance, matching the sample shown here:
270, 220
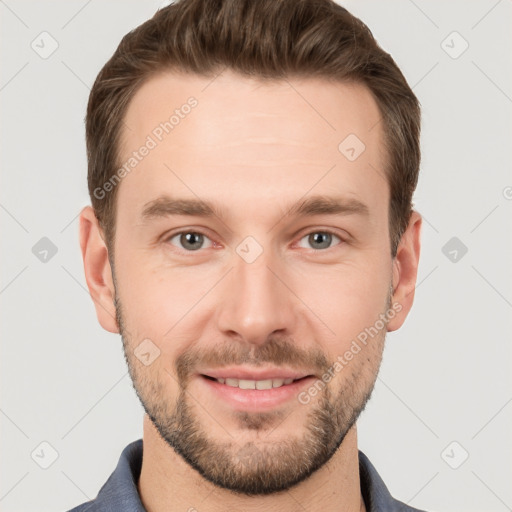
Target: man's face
258, 285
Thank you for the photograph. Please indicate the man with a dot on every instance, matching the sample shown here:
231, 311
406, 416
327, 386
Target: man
252, 238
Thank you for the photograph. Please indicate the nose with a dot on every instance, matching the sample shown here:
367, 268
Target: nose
256, 301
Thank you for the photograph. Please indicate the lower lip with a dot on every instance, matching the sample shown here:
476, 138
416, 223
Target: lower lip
256, 399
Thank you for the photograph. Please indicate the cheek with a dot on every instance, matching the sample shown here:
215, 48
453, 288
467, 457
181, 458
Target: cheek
147, 309
347, 299
161, 303
158, 302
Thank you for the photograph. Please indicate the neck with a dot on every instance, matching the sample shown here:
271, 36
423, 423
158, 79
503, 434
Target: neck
168, 483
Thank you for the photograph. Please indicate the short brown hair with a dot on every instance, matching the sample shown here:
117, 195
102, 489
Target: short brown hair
267, 39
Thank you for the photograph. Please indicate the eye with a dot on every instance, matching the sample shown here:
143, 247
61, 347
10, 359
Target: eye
319, 240
190, 241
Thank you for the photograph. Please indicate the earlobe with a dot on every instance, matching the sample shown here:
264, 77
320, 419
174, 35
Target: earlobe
405, 271
98, 273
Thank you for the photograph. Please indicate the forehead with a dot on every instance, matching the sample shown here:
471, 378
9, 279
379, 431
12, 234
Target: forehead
216, 135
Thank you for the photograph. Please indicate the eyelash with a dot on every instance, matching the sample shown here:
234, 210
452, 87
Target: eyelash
199, 232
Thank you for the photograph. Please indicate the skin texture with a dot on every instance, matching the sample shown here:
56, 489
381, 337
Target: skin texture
254, 149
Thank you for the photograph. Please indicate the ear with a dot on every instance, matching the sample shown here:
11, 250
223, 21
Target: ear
98, 273
405, 271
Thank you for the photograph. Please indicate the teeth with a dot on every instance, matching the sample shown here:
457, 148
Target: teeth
255, 384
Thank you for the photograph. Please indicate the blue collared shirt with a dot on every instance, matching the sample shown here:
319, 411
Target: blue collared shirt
119, 493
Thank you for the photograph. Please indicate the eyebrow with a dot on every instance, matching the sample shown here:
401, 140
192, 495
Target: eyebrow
315, 205
165, 206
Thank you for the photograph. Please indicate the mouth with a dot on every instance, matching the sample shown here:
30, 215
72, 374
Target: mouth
261, 384
263, 392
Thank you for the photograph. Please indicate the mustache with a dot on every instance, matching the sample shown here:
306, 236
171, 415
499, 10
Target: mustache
277, 351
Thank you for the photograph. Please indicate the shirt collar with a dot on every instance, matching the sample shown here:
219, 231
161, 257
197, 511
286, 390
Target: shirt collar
119, 493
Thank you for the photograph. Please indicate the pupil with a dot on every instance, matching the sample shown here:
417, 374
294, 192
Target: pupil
190, 240
322, 239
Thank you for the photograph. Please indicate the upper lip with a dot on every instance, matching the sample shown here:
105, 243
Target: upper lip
253, 374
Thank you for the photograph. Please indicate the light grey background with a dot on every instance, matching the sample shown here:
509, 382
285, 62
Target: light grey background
446, 374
